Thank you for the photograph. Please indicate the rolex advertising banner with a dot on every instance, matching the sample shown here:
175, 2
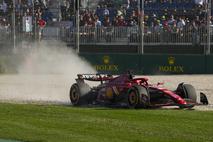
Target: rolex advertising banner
173, 64
113, 63
150, 64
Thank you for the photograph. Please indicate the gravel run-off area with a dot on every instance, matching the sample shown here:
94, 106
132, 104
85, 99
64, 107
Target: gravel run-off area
54, 88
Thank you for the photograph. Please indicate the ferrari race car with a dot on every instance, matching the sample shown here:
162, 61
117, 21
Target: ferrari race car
127, 91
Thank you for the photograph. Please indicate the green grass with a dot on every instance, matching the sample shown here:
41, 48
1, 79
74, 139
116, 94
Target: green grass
55, 123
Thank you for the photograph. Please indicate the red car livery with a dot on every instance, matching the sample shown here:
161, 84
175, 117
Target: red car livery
126, 91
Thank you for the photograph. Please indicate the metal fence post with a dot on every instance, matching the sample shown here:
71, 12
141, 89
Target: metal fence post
141, 26
77, 6
14, 24
208, 50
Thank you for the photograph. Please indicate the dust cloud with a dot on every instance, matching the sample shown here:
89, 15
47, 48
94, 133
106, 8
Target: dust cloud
54, 58
45, 75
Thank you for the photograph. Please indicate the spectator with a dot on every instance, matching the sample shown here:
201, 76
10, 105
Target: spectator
43, 2
81, 21
131, 22
181, 24
4, 7
97, 22
41, 23
121, 21
47, 15
107, 22
171, 21
158, 27
195, 34
200, 2
90, 22
63, 6
30, 3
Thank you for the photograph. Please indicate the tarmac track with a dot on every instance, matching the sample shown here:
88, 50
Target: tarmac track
54, 88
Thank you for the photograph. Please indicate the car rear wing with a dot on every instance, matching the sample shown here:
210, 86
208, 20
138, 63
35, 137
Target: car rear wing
94, 77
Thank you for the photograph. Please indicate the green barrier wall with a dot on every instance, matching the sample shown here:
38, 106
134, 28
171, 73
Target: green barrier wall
151, 64
209, 64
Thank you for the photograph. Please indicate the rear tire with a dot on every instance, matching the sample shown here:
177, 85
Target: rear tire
75, 94
80, 95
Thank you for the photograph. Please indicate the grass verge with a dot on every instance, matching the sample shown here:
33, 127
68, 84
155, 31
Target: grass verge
55, 123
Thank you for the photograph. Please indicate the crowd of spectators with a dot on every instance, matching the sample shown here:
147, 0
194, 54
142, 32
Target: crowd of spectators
159, 15
36, 9
170, 15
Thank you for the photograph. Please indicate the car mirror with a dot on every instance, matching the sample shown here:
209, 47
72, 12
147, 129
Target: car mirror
160, 83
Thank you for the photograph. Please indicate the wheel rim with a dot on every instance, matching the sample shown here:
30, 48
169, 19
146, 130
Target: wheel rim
133, 98
74, 96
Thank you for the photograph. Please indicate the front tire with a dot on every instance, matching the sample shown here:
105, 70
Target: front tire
132, 98
187, 91
144, 101
190, 92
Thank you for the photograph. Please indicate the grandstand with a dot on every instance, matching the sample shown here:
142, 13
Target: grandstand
107, 26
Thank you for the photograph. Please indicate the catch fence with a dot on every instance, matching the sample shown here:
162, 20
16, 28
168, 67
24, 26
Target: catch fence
128, 35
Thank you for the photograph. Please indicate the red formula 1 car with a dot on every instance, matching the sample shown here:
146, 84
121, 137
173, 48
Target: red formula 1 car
127, 91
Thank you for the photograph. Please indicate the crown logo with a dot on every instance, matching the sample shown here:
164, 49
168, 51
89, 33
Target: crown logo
171, 60
106, 59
